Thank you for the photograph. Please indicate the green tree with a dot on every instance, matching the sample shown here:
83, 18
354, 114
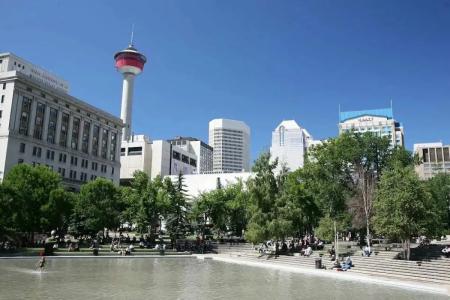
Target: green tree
57, 211
97, 207
439, 188
27, 197
403, 207
266, 204
177, 222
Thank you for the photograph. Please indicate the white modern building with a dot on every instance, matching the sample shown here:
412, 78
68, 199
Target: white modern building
289, 145
156, 158
378, 121
202, 151
41, 124
434, 159
230, 140
201, 183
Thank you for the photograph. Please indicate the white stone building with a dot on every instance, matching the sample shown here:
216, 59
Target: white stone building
434, 158
41, 124
378, 121
202, 151
230, 140
289, 145
158, 157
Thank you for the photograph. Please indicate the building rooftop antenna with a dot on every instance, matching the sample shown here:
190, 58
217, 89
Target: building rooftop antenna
132, 35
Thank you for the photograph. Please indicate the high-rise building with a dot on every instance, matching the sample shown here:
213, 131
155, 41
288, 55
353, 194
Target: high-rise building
230, 140
289, 145
434, 158
41, 124
378, 121
203, 152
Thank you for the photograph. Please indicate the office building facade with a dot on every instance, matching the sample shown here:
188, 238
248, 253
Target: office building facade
202, 151
289, 145
230, 140
434, 159
378, 121
41, 124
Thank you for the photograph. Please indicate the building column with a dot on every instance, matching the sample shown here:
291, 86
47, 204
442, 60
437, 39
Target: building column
108, 146
91, 134
16, 110
32, 117
45, 125
69, 132
80, 134
58, 127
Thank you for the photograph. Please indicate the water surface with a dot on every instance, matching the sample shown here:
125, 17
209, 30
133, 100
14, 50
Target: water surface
176, 278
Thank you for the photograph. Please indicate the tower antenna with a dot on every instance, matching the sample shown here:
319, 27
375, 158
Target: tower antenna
132, 35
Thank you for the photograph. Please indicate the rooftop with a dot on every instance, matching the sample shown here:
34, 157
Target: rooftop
382, 112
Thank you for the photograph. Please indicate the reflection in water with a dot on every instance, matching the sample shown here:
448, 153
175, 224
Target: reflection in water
176, 278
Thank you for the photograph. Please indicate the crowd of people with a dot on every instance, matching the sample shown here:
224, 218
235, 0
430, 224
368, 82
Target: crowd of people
304, 246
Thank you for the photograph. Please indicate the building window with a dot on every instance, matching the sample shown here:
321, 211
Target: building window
85, 138
4, 85
112, 151
1, 113
75, 133
51, 132
25, 116
122, 151
20, 161
3, 98
112, 170
64, 130
22, 148
39, 121
176, 155
104, 143
62, 157
37, 151
50, 155
94, 166
74, 160
134, 150
95, 140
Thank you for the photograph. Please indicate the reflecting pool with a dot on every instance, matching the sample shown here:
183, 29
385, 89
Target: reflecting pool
176, 278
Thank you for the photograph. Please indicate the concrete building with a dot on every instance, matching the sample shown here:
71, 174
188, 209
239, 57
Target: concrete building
41, 124
379, 121
158, 157
434, 157
230, 140
289, 144
135, 155
201, 183
202, 151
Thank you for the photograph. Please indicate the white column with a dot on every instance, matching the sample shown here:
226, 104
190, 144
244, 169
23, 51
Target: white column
45, 125
32, 117
127, 103
58, 127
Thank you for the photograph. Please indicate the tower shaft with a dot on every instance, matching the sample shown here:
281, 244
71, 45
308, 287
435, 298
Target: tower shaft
127, 103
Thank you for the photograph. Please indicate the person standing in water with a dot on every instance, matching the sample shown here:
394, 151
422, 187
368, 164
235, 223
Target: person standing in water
41, 263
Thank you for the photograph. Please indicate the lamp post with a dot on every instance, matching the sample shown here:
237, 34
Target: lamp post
161, 241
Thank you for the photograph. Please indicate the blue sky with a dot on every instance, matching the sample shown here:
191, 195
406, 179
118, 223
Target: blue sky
252, 60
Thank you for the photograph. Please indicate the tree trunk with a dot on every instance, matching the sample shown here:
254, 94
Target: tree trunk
368, 233
408, 248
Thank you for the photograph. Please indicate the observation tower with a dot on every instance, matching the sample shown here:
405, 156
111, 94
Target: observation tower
130, 62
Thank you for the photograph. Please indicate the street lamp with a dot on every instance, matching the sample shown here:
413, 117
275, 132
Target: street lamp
161, 241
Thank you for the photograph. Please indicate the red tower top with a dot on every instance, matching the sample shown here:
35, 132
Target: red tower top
130, 60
